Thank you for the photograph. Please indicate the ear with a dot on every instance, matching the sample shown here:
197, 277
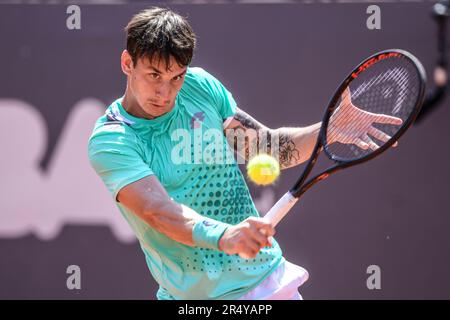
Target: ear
126, 62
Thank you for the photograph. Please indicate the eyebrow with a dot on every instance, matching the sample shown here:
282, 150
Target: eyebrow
157, 71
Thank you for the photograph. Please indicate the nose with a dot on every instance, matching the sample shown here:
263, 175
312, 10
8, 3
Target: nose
162, 91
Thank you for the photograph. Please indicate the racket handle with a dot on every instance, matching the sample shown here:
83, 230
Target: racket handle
281, 208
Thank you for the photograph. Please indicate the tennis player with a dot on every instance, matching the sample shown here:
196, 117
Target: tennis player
158, 152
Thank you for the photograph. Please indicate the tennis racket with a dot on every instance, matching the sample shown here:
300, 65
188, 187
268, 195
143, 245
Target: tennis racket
371, 109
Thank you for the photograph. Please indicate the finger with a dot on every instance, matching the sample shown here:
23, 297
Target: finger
260, 237
361, 144
265, 233
247, 255
378, 134
269, 240
252, 245
250, 250
346, 95
262, 224
382, 118
372, 145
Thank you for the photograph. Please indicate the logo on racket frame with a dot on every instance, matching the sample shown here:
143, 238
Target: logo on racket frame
375, 59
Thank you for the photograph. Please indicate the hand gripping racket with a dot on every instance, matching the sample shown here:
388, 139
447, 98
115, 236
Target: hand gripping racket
372, 108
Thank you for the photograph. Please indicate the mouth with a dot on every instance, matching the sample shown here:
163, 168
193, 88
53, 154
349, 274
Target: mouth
157, 105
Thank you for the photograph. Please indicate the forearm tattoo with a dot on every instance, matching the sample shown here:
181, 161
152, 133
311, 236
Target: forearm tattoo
289, 155
246, 135
257, 138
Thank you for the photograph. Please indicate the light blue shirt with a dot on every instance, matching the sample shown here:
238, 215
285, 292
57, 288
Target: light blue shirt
123, 149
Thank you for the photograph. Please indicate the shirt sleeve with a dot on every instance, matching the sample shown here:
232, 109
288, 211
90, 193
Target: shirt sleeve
221, 97
116, 157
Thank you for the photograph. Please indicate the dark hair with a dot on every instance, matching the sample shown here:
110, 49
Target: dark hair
161, 33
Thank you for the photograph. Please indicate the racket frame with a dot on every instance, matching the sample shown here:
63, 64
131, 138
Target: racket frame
290, 198
300, 186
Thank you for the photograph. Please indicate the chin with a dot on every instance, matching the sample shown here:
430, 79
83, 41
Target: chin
155, 111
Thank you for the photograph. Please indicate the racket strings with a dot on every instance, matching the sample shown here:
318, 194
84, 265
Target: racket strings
366, 102
389, 88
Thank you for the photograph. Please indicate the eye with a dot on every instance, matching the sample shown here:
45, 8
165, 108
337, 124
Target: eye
154, 75
177, 78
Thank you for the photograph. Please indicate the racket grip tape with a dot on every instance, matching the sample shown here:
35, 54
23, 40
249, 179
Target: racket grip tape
281, 208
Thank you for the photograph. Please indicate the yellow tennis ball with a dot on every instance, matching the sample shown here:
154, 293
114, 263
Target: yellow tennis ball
263, 169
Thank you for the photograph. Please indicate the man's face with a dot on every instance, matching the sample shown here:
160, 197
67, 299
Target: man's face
153, 87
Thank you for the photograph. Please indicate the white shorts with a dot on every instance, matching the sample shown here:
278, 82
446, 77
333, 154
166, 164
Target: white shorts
282, 284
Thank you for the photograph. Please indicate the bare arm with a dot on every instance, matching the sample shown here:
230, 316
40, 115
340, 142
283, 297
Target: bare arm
148, 199
296, 144
292, 146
